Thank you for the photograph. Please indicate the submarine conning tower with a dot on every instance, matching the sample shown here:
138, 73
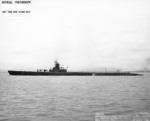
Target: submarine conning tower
57, 65
57, 68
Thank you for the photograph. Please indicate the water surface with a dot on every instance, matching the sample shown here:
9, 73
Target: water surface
71, 98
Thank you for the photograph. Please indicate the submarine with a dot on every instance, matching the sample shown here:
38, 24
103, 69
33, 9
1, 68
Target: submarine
60, 71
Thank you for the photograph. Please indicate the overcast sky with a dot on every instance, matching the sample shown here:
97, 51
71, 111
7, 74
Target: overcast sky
81, 34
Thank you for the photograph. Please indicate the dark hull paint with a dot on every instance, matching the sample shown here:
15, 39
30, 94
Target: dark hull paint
34, 73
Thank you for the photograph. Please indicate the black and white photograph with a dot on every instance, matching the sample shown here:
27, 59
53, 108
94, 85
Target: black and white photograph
74, 60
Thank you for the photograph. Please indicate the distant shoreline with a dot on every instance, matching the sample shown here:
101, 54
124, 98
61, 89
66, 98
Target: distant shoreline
142, 71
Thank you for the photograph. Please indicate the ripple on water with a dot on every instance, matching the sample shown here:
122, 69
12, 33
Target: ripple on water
15, 119
70, 98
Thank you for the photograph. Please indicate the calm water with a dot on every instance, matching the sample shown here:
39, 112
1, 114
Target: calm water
50, 98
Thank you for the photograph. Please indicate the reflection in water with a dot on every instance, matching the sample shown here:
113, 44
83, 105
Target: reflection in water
77, 98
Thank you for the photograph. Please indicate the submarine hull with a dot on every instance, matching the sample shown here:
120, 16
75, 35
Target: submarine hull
34, 73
